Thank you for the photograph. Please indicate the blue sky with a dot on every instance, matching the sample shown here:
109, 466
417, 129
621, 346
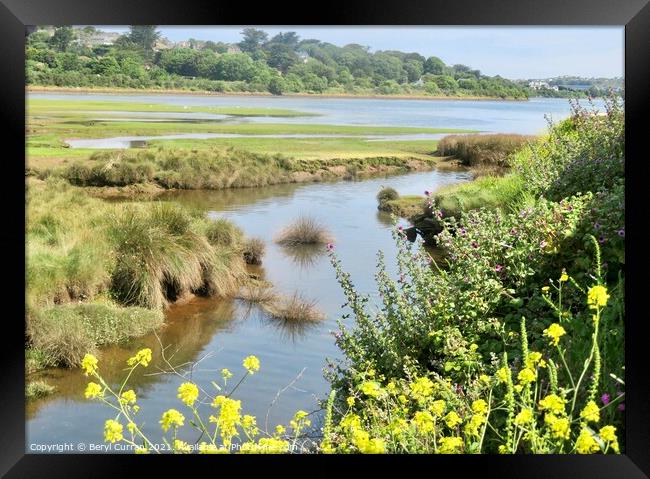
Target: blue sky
512, 52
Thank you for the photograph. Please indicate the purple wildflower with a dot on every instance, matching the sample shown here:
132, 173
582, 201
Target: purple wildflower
462, 231
621, 407
605, 399
621, 232
498, 268
543, 244
602, 240
330, 247
474, 244
596, 225
400, 228
427, 192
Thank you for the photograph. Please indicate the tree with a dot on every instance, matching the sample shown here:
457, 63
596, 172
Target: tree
413, 70
144, 37
62, 38
434, 65
281, 57
253, 40
277, 85
290, 39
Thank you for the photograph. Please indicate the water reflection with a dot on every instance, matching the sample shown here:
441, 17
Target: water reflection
304, 256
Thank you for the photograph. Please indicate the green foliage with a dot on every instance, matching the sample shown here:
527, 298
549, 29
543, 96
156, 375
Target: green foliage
284, 63
547, 382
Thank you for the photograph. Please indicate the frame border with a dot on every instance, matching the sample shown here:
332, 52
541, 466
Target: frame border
15, 18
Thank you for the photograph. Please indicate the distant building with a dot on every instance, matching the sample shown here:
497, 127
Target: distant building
95, 38
233, 49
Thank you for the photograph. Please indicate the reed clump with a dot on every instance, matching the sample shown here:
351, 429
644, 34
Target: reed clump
304, 230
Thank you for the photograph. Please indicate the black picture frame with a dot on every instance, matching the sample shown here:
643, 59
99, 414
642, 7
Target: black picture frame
17, 15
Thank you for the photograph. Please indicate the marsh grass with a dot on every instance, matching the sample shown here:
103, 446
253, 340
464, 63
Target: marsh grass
294, 309
477, 150
304, 230
254, 249
487, 191
82, 250
38, 389
63, 334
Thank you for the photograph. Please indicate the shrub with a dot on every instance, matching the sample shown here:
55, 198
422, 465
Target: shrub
386, 194
584, 153
304, 230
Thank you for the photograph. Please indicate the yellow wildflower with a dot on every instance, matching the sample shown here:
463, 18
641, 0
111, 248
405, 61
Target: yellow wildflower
89, 364
131, 427
591, 412
93, 390
473, 426
479, 406
586, 444
597, 296
372, 389
524, 417
608, 434
391, 387
450, 445
503, 374
299, 421
188, 393
437, 407
226, 374
554, 332
423, 421
503, 449
484, 378
280, 429
141, 450
249, 423
552, 403
128, 397
533, 359
564, 277
545, 289
452, 419
350, 422
170, 418
112, 431
402, 399
526, 376
560, 427
142, 357
350, 400
252, 364
229, 417
421, 388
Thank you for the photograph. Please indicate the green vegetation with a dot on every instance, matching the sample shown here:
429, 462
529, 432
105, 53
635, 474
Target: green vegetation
514, 343
303, 231
101, 272
71, 108
483, 150
283, 64
38, 389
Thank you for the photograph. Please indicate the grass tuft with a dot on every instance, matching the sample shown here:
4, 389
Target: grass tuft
304, 230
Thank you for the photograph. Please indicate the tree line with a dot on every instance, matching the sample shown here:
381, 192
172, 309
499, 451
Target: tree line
284, 63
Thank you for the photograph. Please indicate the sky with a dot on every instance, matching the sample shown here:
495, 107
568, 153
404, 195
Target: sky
512, 52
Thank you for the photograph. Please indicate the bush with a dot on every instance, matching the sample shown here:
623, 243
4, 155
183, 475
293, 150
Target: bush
254, 249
